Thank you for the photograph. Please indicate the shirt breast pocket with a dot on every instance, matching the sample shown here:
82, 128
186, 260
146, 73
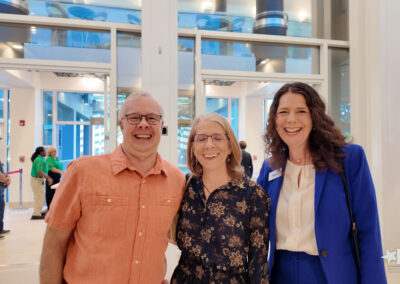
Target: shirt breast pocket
166, 210
109, 215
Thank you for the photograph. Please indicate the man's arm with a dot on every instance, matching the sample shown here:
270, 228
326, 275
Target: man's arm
52, 262
3, 178
8, 181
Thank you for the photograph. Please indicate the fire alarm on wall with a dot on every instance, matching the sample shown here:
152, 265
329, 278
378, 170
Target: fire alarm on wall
22, 123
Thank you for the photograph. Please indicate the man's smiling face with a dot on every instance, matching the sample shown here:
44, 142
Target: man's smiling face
141, 139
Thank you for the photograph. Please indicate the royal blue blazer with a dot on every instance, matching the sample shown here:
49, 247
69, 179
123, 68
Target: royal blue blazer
332, 221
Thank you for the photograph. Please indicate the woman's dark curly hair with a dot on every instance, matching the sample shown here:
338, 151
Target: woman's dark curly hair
325, 140
37, 152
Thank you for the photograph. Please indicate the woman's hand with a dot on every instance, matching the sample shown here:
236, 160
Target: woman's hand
49, 180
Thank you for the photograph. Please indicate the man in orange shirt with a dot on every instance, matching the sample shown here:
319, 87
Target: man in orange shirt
110, 216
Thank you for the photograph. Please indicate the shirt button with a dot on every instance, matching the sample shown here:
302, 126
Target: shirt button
143, 206
324, 253
140, 234
168, 201
109, 200
136, 261
144, 181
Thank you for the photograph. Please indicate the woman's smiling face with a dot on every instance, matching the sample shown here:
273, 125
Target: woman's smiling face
211, 153
293, 120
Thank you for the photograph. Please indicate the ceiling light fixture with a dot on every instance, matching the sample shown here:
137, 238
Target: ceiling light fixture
208, 7
17, 46
303, 15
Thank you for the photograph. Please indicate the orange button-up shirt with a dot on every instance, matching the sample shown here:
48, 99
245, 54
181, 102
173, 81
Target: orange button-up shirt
120, 219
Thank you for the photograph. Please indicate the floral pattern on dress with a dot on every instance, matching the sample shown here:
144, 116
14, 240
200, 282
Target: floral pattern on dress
223, 239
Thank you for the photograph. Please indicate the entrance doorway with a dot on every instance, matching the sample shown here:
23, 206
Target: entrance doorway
76, 122
65, 109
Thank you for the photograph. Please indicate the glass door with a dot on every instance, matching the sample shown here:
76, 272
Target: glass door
79, 119
96, 136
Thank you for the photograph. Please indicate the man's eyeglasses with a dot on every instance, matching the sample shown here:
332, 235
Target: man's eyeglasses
216, 138
135, 118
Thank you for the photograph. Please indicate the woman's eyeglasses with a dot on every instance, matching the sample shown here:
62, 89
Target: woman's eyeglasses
135, 118
216, 138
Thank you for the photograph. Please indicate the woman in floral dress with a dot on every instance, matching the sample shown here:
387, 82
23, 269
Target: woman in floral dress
223, 229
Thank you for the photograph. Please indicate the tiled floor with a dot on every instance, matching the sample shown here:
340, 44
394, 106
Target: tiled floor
20, 250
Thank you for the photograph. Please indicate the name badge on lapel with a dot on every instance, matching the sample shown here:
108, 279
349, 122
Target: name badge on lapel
274, 174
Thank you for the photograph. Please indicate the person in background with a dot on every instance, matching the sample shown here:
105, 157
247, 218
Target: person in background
38, 173
5, 181
55, 170
222, 228
310, 224
110, 216
247, 161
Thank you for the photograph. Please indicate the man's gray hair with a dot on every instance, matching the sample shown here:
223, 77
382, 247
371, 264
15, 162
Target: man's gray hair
135, 96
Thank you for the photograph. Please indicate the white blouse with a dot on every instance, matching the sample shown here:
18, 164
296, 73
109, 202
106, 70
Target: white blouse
295, 212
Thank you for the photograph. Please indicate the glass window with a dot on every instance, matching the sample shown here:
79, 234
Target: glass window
94, 10
120, 100
218, 105
235, 116
34, 42
82, 132
1, 105
339, 88
221, 106
259, 57
186, 97
72, 141
79, 106
306, 18
129, 58
64, 145
47, 118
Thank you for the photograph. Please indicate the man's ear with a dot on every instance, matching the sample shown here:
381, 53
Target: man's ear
120, 124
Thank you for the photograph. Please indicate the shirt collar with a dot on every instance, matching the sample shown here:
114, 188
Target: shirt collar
119, 162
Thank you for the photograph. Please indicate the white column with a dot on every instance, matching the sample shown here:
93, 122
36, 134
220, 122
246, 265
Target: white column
375, 115
389, 136
23, 139
112, 83
159, 65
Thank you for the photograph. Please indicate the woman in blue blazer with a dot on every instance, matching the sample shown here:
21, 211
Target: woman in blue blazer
309, 218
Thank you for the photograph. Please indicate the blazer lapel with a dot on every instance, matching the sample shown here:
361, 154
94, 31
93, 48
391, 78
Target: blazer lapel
274, 191
319, 186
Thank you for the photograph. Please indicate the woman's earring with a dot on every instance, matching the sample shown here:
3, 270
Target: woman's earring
228, 159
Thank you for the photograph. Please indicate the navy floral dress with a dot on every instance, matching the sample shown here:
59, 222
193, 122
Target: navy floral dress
224, 239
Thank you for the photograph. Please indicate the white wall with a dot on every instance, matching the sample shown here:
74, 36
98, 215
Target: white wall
374, 61
255, 130
23, 106
390, 125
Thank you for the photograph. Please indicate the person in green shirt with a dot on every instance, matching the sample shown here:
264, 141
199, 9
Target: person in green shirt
38, 173
55, 170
